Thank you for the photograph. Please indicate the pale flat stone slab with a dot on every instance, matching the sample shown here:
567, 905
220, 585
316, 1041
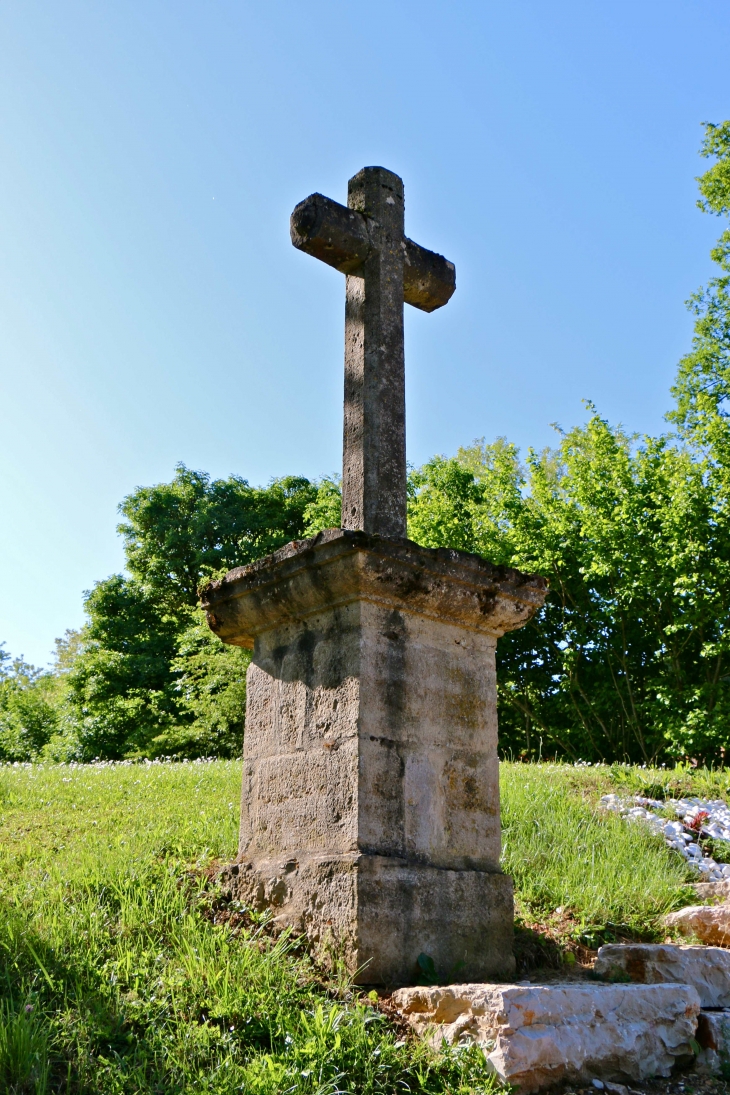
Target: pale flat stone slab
709, 923
538, 1035
712, 893
713, 1035
705, 968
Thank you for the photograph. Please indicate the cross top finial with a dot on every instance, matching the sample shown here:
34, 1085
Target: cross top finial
365, 240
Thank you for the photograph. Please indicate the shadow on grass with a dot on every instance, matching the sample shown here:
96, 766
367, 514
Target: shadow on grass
563, 944
537, 950
57, 1017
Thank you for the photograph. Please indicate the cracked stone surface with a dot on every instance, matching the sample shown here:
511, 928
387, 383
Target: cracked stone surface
708, 923
707, 969
370, 808
538, 1035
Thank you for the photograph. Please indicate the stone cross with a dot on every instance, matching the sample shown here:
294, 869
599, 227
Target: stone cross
365, 241
370, 805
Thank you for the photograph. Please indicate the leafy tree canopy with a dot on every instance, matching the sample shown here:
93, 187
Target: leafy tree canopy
146, 676
702, 387
177, 534
28, 711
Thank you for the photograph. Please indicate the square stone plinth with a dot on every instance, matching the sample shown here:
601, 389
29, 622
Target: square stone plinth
370, 808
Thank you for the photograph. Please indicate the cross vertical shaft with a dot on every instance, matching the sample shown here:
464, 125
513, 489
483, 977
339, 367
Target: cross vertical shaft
374, 441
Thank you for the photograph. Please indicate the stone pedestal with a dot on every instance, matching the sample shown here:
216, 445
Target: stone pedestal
370, 810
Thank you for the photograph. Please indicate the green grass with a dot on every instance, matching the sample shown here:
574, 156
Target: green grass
612, 879
114, 979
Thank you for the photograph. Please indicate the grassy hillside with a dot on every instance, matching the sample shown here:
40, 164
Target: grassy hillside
583, 876
115, 979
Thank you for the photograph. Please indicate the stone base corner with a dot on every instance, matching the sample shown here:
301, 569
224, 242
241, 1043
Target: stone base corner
382, 914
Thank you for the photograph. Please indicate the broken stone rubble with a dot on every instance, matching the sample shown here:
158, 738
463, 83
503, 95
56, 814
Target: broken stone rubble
713, 1037
696, 817
705, 968
538, 1035
712, 893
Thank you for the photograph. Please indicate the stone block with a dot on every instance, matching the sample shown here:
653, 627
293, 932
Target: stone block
713, 1036
712, 893
538, 1035
707, 969
710, 924
370, 806
380, 913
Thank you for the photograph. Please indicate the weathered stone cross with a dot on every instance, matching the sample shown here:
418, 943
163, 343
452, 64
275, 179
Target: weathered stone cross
365, 241
370, 806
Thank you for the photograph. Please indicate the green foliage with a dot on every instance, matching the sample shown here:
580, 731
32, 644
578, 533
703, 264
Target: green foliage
702, 387
211, 684
177, 534
628, 656
147, 682
715, 183
28, 712
108, 929
325, 511
146, 677
444, 499
120, 685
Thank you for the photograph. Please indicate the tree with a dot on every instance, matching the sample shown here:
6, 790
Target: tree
702, 388
120, 684
147, 677
177, 534
325, 510
210, 679
629, 656
626, 658
28, 712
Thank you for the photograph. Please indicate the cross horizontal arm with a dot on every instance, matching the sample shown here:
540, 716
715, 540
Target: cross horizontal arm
339, 236
429, 280
330, 232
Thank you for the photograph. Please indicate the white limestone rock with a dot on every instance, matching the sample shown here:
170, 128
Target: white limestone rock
713, 1035
709, 923
538, 1035
712, 893
705, 968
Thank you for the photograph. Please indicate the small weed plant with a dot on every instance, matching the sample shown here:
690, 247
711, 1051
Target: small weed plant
24, 1058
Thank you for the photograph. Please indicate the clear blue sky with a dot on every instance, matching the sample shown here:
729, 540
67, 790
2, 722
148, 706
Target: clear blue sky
152, 309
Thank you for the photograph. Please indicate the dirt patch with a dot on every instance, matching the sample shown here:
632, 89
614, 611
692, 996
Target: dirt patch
551, 949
